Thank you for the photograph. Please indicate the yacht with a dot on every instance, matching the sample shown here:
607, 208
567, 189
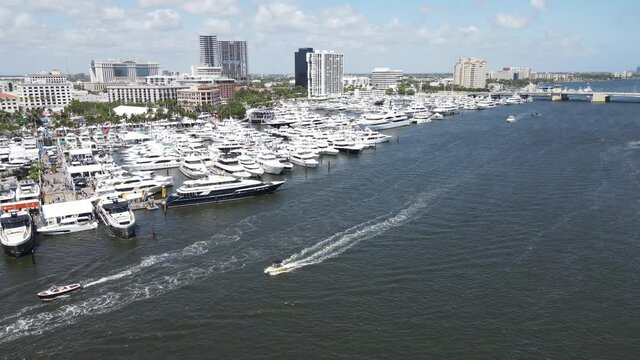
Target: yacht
229, 164
152, 162
27, 190
511, 119
485, 104
373, 137
131, 184
514, 100
269, 163
385, 121
250, 165
304, 158
193, 167
215, 188
117, 215
67, 217
446, 109
349, 146
16, 233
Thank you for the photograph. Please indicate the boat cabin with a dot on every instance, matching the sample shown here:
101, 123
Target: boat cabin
70, 212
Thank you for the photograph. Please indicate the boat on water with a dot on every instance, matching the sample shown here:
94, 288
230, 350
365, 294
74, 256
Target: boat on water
215, 188
16, 233
56, 291
193, 167
278, 267
67, 217
117, 215
383, 121
511, 119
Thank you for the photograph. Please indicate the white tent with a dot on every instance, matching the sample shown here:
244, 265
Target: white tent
68, 208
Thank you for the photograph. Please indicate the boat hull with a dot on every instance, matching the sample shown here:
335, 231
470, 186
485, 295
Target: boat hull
175, 200
21, 249
61, 230
123, 232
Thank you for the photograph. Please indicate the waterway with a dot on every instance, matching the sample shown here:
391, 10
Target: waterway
464, 238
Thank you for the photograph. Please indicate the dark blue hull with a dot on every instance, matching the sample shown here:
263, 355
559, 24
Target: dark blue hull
177, 200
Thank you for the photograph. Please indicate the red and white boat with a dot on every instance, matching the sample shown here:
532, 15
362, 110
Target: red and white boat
56, 291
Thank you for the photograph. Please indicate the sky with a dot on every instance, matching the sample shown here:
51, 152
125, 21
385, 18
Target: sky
414, 36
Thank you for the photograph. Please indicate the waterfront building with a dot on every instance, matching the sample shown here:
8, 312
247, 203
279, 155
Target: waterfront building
206, 70
511, 73
9, 103
209, 54
356, 81
86, 96
325, 70
555, 77
300, 58
385, 78
160, 79
233, 59
113, 71
48, 90
137, 94
470, 73
197, 96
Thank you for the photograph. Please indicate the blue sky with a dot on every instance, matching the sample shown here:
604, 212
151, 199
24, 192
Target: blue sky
414, 36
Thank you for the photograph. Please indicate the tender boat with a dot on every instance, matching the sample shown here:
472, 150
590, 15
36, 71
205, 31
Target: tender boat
511, 119
117, 215
56, 291
278, 267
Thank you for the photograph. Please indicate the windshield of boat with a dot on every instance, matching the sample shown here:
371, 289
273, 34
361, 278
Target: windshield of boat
117, 210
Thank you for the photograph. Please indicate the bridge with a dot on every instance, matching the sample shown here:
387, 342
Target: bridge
558, 94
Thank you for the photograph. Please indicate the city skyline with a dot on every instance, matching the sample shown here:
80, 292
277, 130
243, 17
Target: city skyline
414, 36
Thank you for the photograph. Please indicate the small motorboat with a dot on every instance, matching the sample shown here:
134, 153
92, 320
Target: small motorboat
152, 206
56, 291
511, 118
278, 267
535, 114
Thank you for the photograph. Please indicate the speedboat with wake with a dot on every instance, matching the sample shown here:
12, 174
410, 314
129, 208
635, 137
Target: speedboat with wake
56, 291
278, 267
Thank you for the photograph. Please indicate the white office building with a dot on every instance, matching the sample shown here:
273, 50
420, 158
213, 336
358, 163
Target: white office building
206, 70
160, 79
325, 70
356, 81
385, 78
46, 91
139, 94
470, 73
122, 71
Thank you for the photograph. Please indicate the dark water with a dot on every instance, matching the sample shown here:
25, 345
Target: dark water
469, 238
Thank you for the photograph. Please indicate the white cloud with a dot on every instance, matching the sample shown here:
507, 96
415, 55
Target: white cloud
5, 15
161, 19
436, 36
280, 17
113, 13
23, 20
511, 21
212, 7
221, 27
539, 4
155, 3
469, 30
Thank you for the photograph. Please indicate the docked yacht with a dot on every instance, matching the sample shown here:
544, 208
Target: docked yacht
138, 183
229, 164
485, 104
269, 163
193, 167
27, 190
304, 158
16, 233
515, 99
67, 217
370, 138
117, 215
446, 109
250, 165
384, 121
216, 188
152, 162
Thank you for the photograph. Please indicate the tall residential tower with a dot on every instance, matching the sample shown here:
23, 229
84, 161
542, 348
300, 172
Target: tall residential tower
233, 59
470, 73
325, 70
209, 51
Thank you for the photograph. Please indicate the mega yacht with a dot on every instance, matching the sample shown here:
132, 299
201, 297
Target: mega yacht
67, 217
131, 184
515, 99
446, 109
216, 188
193, 167
371, 138
250, 165
117, 215
304, 158
16, 233
389, 120
229, 164
486, 103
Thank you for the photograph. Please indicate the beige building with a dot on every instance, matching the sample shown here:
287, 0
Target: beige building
47, 91
470, 73
385, 78
138, 94
197, 96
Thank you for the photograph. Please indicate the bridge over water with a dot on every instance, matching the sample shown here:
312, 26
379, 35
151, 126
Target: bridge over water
563, 95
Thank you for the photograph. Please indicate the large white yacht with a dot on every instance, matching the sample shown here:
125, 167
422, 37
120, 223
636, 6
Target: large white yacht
130, 184
446, 109
193, 167
304, 158
382, 121
27, 190
117, 215
269, 163
228, 163
16, 233
486, 103
250, 165
67, 217
216, 188
152, 162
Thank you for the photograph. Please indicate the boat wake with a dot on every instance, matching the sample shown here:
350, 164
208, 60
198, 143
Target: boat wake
342, 241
